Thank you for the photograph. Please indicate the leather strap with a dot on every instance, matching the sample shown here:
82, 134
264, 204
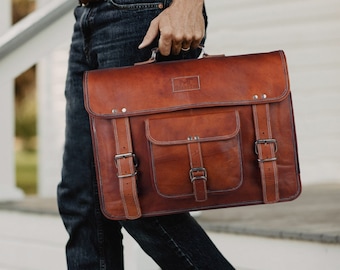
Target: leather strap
198, 174
265, 148
126, 165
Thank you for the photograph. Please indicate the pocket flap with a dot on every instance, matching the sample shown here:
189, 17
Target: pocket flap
201, 128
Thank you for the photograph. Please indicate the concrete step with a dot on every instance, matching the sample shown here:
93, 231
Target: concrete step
299, 235
32, 241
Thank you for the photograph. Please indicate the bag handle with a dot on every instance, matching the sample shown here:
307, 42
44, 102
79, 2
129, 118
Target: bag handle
154, 51
152, 59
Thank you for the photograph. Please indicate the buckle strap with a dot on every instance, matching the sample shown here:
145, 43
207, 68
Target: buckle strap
126, 164
197, 173
265, 148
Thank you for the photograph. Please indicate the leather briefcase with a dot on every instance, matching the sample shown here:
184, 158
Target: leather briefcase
190, 135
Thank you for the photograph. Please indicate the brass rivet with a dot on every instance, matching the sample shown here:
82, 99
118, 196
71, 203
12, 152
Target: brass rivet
160, 6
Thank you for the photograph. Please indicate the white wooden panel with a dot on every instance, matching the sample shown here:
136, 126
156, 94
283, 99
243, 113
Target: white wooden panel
8, 190
51, 125
309, 33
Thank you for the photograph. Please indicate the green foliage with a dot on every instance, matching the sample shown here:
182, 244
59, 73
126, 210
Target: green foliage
26, 107
26, 171
26, 120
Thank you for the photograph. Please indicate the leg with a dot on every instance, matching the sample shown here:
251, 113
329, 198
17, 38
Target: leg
176, 242
100, 40
94, 243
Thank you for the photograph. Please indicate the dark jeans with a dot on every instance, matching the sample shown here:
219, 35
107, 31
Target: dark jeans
107, 35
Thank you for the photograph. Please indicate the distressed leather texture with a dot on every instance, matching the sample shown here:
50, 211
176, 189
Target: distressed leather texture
191, 135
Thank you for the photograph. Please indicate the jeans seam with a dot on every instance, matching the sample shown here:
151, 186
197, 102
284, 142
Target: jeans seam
98, 222
174, 246
84, 26
86, 23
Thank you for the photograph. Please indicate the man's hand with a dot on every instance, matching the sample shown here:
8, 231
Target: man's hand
181, 26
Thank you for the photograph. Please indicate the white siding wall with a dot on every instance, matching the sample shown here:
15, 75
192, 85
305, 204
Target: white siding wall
51, 83
309, 33
51, 119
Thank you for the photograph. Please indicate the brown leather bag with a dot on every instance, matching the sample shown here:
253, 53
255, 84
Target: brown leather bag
193, 134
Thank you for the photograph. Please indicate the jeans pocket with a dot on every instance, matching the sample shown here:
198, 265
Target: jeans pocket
135, 5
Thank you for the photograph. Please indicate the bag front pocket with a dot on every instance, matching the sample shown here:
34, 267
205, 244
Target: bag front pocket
195, 155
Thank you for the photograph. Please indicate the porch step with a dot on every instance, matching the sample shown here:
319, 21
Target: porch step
314, 216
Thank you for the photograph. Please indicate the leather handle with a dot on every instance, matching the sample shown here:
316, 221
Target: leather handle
154, 51
152, 58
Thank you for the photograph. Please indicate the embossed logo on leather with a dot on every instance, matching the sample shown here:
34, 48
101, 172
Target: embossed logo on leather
188, 83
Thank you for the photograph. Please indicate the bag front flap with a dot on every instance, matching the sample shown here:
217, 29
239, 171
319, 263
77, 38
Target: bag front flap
185, 84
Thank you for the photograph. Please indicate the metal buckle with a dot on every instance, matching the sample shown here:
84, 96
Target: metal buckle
127, 155
201, 177
135, 163
267, 160
127, 175
265, 141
